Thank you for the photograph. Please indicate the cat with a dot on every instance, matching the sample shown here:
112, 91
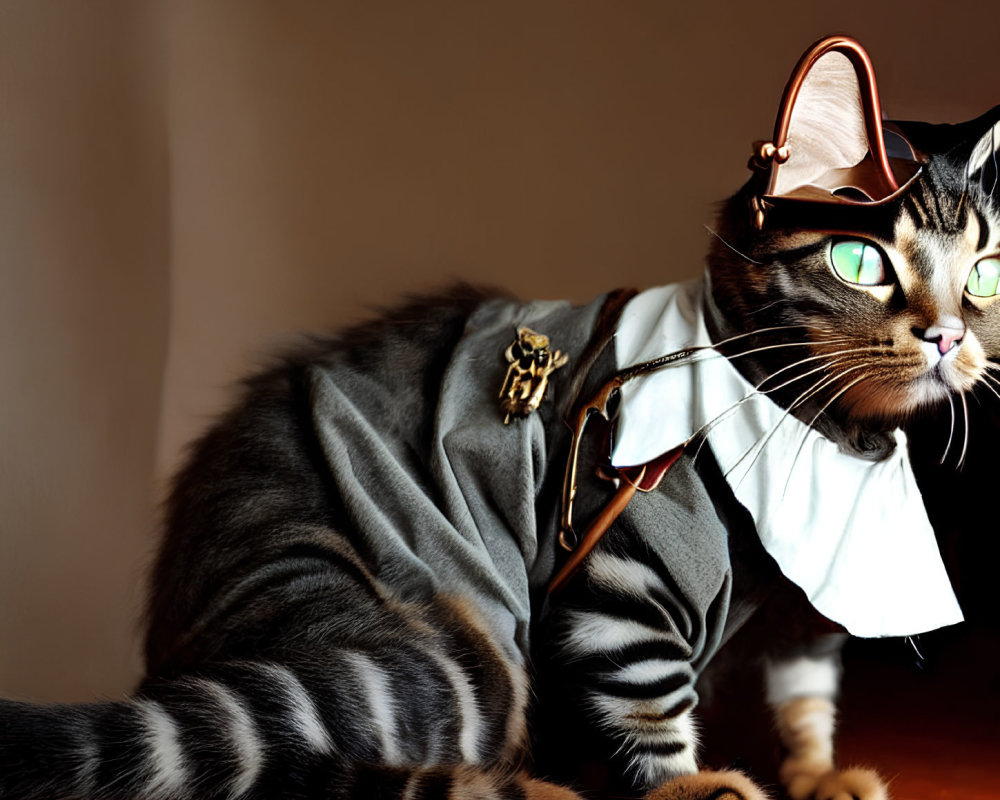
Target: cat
380, 580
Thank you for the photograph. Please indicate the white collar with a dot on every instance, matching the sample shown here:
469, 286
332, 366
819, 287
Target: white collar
852, 533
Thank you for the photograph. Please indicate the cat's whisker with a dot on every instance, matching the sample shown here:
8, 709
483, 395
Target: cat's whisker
698, 353
824, 366
835, 353
782, 302
805, 434
770, 329
996, 170
829, 360
992, 383
965, 435
841, 391
798, 402
951, 430
760, 444
702, 433
690, 355
763, 348
707, 428
744, 256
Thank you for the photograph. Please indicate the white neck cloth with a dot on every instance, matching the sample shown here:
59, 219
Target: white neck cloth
853, 534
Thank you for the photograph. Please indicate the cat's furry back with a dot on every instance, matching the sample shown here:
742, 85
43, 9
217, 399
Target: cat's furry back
285, 656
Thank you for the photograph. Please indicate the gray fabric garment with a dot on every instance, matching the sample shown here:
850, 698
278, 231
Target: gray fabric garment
472, 509
680, 526
707, 543
466, 519
694, 525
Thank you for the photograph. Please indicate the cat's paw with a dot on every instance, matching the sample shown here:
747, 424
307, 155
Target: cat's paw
723, 785
805, 781
533, 789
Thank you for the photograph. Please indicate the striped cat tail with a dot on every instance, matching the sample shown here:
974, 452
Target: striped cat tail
192, 739
182, 746
56, 751
163, 748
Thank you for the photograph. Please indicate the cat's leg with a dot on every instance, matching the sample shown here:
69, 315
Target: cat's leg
802, 691
630, 639
709, 785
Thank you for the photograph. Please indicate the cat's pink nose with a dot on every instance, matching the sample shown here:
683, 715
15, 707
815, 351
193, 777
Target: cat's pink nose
950, 337
946, 337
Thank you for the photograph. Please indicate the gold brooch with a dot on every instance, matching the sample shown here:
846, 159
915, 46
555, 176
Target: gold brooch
531, 363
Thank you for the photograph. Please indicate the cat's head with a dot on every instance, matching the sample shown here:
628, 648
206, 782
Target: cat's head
876, 246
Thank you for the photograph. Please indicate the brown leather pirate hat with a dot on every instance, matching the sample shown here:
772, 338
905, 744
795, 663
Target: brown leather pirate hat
830, 143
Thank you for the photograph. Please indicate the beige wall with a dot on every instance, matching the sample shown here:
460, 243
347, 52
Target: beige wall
83, 336
325, 157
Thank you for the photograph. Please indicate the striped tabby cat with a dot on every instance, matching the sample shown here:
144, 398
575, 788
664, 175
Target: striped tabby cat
353, 596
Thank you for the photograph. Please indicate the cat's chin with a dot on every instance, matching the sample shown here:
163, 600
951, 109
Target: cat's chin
893, 406
930, 390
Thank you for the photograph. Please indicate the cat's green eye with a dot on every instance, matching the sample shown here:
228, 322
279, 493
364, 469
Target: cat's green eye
984, 280
857, 262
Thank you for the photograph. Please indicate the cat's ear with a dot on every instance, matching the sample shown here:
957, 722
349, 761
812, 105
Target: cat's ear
983, 170
826, 127
829, 142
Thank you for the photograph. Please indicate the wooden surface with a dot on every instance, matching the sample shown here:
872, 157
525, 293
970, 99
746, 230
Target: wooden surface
933, 730
930, 725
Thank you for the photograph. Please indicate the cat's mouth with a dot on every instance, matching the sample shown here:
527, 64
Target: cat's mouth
894, 388
958, 370
888, 380
935, 385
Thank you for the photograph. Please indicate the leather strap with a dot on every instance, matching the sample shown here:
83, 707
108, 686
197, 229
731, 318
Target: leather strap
599, 405
642, 478
620, 499
604, 330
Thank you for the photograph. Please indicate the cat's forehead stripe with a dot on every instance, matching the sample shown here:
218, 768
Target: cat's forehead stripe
915, 210
932, 205
930, 211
